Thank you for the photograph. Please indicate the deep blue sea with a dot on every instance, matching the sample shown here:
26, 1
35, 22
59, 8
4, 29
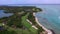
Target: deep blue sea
49, 17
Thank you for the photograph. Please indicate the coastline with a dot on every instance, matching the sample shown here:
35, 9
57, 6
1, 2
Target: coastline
47, 30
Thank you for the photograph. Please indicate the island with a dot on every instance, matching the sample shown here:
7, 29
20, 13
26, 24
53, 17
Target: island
21, 22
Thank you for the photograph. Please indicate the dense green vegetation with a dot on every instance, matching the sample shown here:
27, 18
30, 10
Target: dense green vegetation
7, 32
14, 20
32, 18
17, 24
14, 9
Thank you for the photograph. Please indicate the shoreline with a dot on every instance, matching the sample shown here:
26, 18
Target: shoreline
47, 30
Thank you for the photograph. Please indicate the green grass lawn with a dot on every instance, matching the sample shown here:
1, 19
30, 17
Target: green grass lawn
21, 31
17, 31
28, 25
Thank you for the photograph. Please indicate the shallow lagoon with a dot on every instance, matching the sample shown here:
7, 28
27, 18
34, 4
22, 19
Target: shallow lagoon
2, 14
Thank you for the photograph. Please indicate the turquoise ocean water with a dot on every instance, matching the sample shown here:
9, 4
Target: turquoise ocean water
50, 17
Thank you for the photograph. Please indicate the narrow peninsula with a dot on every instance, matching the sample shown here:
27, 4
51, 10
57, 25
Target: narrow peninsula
23, 21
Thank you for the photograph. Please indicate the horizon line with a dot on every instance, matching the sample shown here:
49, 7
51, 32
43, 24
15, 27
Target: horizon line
30, 4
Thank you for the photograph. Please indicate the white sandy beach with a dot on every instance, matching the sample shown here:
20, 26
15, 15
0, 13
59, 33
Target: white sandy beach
47, 30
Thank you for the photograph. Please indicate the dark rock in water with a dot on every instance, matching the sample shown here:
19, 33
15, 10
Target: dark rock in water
52, 31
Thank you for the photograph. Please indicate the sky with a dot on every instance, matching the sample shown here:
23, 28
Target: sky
29, 2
